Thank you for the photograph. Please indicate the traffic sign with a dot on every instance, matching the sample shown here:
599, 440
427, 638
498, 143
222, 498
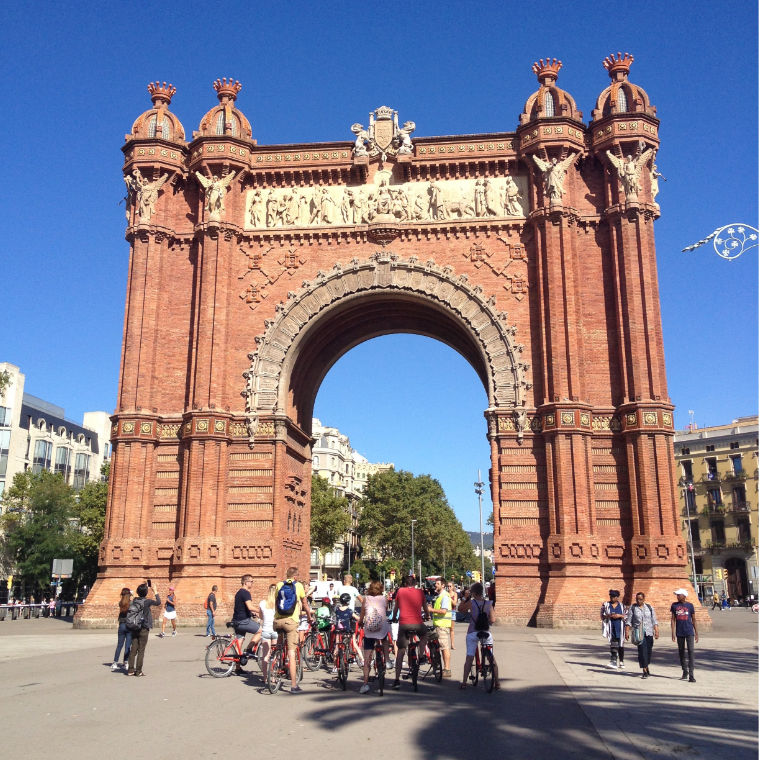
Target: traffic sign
469, 573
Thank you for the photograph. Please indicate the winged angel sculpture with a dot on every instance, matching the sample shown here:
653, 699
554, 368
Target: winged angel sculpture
554, 174
629, 171
215, 189
145, 194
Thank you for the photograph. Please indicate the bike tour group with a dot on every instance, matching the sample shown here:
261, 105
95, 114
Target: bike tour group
374, 631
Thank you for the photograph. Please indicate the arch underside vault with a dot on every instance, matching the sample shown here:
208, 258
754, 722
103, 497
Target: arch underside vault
383, 294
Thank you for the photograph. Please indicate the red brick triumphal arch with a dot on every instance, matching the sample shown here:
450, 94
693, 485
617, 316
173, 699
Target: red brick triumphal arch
254, 268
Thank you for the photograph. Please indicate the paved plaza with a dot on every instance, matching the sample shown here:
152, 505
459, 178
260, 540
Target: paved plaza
558, 700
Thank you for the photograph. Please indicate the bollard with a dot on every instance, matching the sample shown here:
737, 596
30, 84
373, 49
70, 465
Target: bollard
3, 610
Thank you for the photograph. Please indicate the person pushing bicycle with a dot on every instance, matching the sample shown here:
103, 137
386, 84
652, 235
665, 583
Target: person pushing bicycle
290, 598
481, 614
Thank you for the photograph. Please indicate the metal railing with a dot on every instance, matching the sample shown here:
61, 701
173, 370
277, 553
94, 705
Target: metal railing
29, 611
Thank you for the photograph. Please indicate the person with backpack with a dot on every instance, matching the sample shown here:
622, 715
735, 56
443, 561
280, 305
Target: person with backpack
139, 621
374, 617
641, 625
210, 605
290, 599
481, 619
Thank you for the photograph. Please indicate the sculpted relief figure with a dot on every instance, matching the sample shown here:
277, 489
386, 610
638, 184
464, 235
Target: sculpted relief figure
629, 172
214, 190
512, 198
404, 138
256, 209
437, 203
491, 196
654, 181
145, 194
480, 197
362, 137
554, 174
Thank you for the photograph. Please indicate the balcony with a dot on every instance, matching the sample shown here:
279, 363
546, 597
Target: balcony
739, 506
731, 475
723, 546
710, 477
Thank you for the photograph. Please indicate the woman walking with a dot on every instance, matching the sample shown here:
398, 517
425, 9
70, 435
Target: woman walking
268, 634
641, 618
170, 613
124, 636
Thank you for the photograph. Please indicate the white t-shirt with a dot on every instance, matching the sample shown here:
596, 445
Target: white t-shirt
352, 591
267, 618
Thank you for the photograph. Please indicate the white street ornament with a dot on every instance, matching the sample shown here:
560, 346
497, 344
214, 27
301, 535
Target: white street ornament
730, 241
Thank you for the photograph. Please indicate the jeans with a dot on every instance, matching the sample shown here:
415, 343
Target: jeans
125, 640
210, 630
645, 651
137, 651
617, 650
686, 643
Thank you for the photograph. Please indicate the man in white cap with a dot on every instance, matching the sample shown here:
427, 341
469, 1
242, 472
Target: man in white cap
683, 629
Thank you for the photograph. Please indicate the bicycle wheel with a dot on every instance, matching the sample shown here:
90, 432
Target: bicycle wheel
436, 664
275, 672
487, 672
474, 669
299, 665
343, 669
380, 670
215, 665
414, 667
309, 655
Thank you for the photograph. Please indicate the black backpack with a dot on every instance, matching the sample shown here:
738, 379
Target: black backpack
482, 623
135, 620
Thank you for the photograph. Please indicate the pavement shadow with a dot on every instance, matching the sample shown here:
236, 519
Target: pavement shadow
707, 657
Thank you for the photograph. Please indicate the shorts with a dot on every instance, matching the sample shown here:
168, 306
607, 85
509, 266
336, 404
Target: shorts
405, 630
170, 615
290, 628
268, 636
303, 625
394, 631
472, 642
246, 626
444, 637
369, 643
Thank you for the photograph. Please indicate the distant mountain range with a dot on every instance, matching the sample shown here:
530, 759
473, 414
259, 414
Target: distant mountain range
475, 539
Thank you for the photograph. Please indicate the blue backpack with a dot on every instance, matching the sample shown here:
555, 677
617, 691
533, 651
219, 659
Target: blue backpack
287, 598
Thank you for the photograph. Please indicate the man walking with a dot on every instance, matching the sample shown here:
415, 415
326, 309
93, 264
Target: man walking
140, 638
211, 612
442, 623
290, 598
683, 629
613, 615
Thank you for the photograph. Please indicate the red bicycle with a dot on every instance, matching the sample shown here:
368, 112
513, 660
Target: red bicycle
226, 652
279, 664
483, 664
316, 649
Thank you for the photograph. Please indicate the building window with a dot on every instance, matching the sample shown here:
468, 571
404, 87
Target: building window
712, 468
220, 124
718, 531
622, 101
736, 463
710, 447
734, 445
166, 130
739, 497
548, 104
5, 416
62, 461
713, 497
695, 539
743, 528
315, 461
43, 450
81, 470
5, 442
688, 473
690, 501
698, 566
685, 452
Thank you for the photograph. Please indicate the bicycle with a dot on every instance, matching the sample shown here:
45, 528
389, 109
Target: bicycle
483, 667
279, 664
225, 652
434, 655
315, 650
342, 657
413, 661
379, 652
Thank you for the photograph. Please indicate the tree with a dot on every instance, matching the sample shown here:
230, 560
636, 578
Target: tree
330, 518
36, 526
392, 499
89, 513
5, 381
489, 521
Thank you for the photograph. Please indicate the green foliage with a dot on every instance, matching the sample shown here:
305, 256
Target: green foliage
392, 499
5, 381
361, 571
329, 515
89, 513
36, 526
489, 521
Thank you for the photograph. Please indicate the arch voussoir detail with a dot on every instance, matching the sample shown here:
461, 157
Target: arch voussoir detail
384, 272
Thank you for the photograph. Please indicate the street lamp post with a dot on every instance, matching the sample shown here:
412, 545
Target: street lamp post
412, 572
479, 492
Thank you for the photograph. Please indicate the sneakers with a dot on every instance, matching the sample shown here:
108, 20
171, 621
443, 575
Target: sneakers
396, 684
364, 689
139, 673
622, 666
692, 679
334, 671
684, 676
447, 674
174, 633
114, 667
130, 672
612, 665
296, 690
161, 635
391, 661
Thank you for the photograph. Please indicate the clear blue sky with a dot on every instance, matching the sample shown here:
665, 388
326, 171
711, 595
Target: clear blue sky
75, 78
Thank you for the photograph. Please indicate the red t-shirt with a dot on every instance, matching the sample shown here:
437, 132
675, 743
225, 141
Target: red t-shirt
410, 602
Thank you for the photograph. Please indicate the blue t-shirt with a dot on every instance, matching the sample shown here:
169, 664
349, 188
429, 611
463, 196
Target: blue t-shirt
344, 618
684, 612
616, 624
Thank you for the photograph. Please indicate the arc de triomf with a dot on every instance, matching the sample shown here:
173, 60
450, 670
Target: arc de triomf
254, 268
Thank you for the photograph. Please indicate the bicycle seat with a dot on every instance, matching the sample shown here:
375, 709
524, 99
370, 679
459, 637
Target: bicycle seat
230, 624
483, 635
